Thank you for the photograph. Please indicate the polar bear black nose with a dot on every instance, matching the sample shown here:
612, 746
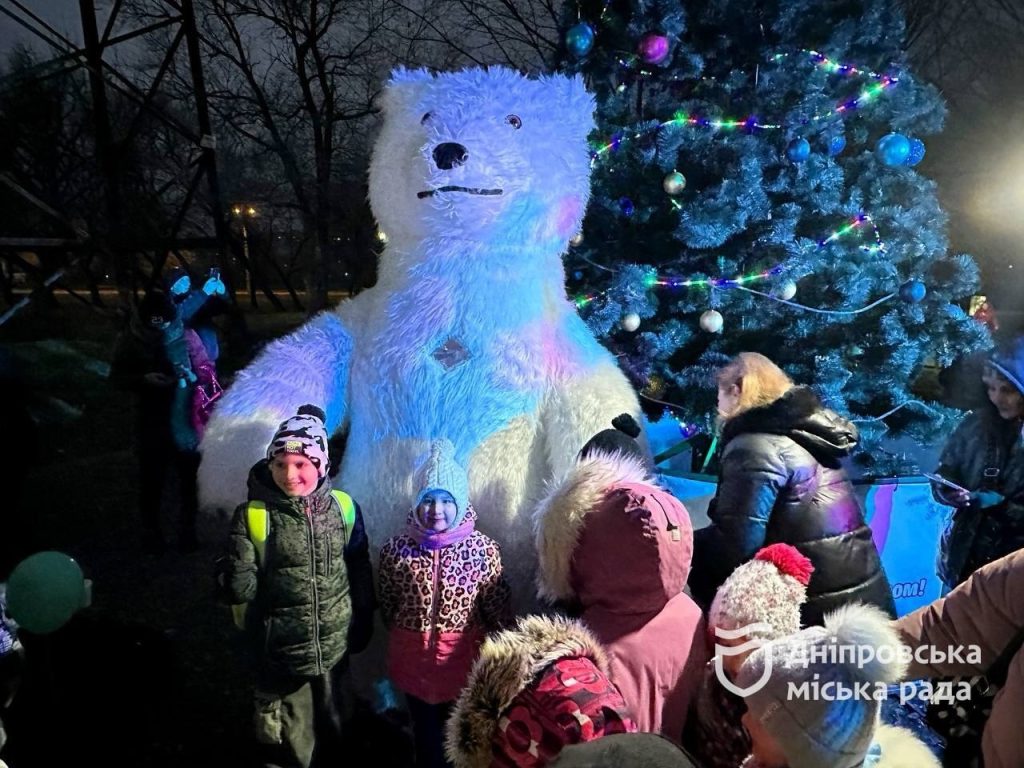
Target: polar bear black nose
449, 155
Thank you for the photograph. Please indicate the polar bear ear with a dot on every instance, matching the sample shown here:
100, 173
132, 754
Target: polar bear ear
576, 103
404, 89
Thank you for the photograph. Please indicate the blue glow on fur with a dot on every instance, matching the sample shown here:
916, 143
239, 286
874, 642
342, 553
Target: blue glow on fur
483, 270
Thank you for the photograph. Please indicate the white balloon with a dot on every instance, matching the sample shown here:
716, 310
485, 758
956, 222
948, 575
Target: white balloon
631, 322
712, 321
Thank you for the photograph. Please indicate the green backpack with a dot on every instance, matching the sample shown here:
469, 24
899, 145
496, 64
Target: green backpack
258, 524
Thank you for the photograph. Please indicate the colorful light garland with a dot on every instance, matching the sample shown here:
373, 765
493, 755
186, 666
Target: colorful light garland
833, 66
859, 220
740, 282
751, 123
678, 282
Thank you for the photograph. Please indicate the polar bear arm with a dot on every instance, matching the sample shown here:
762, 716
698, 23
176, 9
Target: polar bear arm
310, 365
581, 407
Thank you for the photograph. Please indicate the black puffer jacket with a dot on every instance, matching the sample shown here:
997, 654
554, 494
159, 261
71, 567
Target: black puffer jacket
977, 536
781, 482
312, 601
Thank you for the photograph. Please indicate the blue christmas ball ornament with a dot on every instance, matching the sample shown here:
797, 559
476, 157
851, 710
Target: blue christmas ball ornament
626, 206
577, 275
893, 149
579, 39
798, 150
836, 145
912, 291
916, 154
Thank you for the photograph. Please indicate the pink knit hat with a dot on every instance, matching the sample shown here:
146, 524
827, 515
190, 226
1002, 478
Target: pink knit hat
766, 590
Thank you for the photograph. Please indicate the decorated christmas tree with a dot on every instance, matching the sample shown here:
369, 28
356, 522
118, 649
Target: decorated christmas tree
756, 189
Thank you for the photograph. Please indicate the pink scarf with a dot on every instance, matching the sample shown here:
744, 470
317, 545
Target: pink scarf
431, 540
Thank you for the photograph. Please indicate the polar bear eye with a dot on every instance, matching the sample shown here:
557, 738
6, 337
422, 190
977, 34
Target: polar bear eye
514, 121
426, 116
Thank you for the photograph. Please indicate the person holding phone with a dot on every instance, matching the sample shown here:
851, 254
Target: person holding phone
197, 307
985, 457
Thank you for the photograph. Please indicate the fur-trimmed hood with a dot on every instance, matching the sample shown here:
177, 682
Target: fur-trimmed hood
509, 662
607, 510
800, 416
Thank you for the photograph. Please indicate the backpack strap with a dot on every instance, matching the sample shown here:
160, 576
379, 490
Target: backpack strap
257, 523
348, 511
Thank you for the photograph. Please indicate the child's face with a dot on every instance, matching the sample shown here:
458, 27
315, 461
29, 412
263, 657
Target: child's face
732, 663
294, 474
763, 746
1003, 395
437, 510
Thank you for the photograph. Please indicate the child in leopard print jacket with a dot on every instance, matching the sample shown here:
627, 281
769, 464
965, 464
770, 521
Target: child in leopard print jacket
441, 592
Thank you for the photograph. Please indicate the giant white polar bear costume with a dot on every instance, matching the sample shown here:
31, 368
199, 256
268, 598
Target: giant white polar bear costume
479, 178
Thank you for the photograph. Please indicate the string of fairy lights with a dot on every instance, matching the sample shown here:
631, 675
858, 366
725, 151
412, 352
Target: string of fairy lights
882, 82
742, 282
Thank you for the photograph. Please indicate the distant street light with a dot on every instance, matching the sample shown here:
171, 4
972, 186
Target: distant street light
244, 212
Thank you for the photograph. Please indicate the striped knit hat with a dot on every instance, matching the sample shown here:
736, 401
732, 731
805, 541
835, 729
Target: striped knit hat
305, 434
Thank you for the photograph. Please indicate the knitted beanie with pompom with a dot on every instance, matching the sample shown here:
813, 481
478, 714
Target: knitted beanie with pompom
768, 591
818, 692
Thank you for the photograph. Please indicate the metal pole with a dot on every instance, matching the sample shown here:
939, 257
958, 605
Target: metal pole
249, 285
105, 149
208, 142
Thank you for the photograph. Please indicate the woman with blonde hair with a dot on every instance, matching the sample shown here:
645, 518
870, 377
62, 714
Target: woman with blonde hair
781, 481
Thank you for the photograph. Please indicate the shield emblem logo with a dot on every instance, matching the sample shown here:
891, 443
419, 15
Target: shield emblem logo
734, 650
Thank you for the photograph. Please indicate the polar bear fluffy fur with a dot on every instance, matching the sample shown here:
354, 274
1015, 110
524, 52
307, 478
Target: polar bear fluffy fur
479, 178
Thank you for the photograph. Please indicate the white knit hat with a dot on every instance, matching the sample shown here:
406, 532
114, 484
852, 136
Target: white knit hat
766, 590
440, 472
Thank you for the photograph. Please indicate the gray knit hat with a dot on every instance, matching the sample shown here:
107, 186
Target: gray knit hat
440, 472
819, 688
303, 433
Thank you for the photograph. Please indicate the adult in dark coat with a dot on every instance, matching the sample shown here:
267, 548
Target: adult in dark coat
985, 455
781, 482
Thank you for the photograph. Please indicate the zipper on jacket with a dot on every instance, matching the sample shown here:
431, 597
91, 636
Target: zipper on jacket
329, 556
318, 654
436, 597
671, 527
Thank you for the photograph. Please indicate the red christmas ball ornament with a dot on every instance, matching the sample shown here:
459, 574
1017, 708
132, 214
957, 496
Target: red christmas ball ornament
789, 560
653, 48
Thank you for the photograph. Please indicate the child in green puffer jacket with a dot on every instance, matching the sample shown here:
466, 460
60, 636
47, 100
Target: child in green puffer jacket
298, 564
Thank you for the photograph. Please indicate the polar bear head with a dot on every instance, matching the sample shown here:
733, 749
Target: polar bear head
484, 155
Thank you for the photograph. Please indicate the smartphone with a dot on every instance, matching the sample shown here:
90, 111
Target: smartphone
943, 481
